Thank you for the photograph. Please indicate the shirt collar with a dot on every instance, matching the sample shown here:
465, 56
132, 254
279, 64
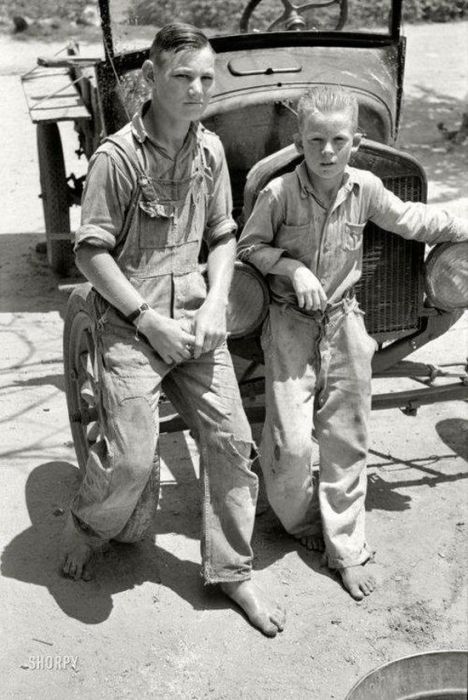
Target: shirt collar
139, 130
349, 180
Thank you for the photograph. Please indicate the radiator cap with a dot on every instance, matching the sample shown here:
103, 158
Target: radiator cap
447, 276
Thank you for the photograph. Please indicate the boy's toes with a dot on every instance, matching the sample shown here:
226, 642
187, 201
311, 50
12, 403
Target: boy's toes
264, 624
263, 613
366, 589
368, 586
278, 617
314, 543
69, 568
357, 581
356, 592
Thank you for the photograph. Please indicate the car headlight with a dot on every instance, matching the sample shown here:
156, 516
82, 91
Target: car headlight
446, 276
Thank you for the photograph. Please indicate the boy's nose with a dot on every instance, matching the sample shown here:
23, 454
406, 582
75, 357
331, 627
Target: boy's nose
328, 148
196, 87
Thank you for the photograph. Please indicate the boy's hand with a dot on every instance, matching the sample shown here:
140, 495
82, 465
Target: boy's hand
209, 325
166, 335
309, 291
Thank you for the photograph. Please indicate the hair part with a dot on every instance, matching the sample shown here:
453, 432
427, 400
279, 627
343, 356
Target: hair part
176, 37
326, 99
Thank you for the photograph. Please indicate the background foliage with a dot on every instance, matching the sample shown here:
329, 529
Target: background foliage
224, 14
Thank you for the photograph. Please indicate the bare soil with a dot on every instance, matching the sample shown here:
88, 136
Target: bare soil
147, 627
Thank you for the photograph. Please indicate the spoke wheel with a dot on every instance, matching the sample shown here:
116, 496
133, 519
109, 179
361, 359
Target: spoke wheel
84, 406
80, 381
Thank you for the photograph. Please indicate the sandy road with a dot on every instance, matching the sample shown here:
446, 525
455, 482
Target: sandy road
146, 628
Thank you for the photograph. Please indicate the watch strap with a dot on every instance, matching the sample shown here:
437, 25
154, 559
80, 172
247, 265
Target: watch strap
134, 315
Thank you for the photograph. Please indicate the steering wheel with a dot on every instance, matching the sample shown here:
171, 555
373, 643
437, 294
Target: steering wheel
291, 17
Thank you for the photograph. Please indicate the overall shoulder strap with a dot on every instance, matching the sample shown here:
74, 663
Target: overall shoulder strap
128, 151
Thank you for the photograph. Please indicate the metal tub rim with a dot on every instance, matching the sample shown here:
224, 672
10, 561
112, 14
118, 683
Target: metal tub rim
453, 658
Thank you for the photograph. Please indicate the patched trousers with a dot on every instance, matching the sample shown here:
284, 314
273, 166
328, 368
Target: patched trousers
318, 378
121, 463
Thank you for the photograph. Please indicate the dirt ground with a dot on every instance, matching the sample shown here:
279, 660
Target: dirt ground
147, 627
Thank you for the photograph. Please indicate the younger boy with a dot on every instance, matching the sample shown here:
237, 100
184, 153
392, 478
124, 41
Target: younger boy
306, 233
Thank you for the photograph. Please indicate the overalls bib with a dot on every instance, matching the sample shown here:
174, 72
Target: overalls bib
159, 246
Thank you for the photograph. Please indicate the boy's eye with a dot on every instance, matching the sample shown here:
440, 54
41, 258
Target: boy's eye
207, 78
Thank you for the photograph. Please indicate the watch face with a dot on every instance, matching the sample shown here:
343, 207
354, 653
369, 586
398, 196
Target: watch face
134, 315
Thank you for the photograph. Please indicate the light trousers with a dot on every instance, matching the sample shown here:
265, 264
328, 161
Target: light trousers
318, 379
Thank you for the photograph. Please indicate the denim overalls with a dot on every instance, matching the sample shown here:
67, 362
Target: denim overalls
158, 252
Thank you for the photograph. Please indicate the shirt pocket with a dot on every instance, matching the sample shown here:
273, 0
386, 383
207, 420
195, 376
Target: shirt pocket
352, 236
294, 239
156, 222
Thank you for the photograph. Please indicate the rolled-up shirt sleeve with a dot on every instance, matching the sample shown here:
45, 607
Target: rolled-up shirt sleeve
257, 241
106, 196
219, 221
414, 220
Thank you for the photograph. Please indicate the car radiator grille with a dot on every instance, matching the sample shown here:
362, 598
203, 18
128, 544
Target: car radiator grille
391, 288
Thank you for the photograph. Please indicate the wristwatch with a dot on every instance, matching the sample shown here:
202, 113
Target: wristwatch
134, 315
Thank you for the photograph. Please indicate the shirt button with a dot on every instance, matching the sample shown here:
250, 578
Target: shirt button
323, 281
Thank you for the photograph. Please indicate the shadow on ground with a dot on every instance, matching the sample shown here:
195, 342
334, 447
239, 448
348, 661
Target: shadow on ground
445, 162
28, 285
33, 555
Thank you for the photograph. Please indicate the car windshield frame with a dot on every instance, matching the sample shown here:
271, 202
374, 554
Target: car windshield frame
275, 39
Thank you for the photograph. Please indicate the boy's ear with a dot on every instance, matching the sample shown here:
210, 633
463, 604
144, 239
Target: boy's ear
147, 70
356, 142
298, 142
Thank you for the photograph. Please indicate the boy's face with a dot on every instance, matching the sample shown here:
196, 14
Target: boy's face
327, 141
182, 83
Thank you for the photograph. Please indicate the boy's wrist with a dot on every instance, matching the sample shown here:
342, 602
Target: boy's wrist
134, 316
291, 266
220, 298
148, 319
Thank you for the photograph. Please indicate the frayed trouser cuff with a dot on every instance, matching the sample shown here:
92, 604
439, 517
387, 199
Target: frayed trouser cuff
213, 579
87, 533
345, 562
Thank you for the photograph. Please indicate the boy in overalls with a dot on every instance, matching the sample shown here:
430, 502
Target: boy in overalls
305, 233
155, 191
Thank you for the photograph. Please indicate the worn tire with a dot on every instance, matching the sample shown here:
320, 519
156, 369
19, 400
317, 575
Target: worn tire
82, 397
77, 342
54, 193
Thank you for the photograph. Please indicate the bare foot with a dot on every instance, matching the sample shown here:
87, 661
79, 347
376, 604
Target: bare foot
263, 613
312, 542
357, 581
77, 553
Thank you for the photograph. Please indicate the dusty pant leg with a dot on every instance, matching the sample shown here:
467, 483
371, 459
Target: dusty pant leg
121, 462
289, 344
206, 393
342, 430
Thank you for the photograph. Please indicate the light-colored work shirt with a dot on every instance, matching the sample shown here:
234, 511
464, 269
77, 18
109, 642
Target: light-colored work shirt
289, 220
190, 202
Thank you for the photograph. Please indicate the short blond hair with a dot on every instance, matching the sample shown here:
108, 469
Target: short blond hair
326, 99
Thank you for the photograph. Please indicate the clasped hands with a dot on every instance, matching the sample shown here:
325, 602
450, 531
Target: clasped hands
175, 342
